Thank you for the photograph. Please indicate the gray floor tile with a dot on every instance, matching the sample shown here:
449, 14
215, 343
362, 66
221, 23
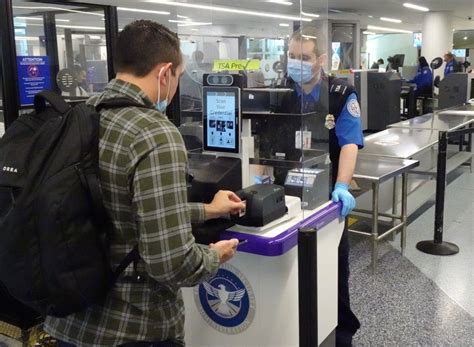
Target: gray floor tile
419, 299
400, 306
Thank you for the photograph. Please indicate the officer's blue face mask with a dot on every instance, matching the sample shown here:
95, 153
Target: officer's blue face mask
163, 104
300, 71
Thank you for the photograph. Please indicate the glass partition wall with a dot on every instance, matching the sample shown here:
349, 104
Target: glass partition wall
61, 48
252, 41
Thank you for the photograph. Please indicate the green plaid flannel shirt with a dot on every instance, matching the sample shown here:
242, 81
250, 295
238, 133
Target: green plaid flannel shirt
143, 165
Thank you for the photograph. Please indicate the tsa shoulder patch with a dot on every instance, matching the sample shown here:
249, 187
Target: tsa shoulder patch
353, 108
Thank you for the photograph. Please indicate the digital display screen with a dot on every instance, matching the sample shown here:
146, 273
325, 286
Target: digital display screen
417, 40
459, 53
221, 119
300, 180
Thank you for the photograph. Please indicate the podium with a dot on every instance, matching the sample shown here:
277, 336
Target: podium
253, 300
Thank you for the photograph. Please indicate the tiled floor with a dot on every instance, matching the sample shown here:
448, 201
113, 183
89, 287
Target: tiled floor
420, 299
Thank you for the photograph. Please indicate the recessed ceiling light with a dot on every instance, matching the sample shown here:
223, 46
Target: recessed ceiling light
307, 14
192, 24
57, 8
284, 24
392, 20
40, 19
286, 3
416, 7
180, 16
139, 10
79, 27
229, 10
374, 27
26, 38
371, 16
465, 37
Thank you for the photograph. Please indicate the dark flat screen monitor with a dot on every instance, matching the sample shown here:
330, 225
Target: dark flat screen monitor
398, 60
221, 119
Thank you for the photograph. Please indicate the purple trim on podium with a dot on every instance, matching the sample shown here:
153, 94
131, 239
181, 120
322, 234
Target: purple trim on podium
282, 243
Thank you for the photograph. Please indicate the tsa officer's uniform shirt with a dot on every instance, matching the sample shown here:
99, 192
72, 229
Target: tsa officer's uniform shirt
423, 78
348, 125
449, 68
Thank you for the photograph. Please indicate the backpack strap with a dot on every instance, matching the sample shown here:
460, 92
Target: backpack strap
119, 103
132, 257
55, 100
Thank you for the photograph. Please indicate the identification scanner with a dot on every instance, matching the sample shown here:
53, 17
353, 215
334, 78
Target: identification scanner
308, 184
220, 166
264, 203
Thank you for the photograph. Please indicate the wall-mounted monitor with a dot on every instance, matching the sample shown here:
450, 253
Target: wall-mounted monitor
221, 119
417, 40
459, 53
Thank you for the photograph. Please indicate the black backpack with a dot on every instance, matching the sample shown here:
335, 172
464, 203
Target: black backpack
54, 229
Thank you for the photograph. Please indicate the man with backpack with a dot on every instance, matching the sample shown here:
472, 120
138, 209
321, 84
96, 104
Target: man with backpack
142, 171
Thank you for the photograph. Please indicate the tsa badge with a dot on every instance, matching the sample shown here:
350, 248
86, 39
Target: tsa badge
330, 122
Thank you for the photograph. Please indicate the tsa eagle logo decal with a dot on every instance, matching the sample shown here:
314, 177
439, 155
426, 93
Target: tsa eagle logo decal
222, 304
226, 302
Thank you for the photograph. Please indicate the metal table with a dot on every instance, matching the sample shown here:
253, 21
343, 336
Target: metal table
399, 143
444, 122
462, 110
376, 172
438, 121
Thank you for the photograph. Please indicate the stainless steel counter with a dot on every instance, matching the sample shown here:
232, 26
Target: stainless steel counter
399, 142
382, 169
376, 171
462, 110
441, 122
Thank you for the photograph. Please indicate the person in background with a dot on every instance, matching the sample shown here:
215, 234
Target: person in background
143, 177
389, 67
423, 78
80, 75
451, 64
256, 78
377, 64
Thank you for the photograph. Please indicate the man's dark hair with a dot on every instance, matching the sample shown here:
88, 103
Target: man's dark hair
380, 61
142, 45
312, 34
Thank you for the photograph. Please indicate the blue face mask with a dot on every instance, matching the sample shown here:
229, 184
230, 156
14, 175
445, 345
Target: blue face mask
300, 71
163, 104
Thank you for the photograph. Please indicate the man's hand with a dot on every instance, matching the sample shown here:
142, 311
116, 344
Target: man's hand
341, 192
225, 249
224, 202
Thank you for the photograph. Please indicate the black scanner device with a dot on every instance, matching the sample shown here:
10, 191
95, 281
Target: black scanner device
206, 178
264, 204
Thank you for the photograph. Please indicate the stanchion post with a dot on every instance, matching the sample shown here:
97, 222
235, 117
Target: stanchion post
437, 246
308, 287
440, 187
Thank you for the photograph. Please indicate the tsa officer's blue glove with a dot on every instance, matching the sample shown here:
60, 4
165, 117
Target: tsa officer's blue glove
341, 193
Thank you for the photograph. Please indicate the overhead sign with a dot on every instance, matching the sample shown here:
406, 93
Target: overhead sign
234, 65
33, 77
